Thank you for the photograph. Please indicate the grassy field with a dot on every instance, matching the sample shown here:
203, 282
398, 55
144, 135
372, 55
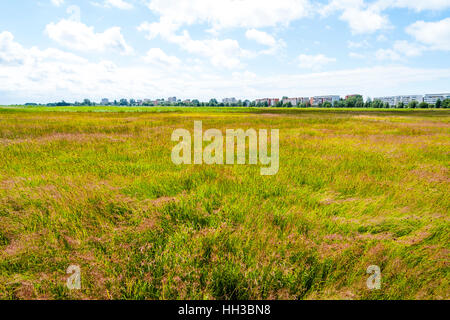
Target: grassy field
98, 189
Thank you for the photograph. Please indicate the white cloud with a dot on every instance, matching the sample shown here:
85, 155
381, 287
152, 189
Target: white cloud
57, 2
158, 57
231, 13
358, 45
261, 37
417, 5
120, 4
360, 16
400, 50
408, 48
356, 55
436, 35
364, 21
78, 36
381, 38
314, 62
266, 39
225, 53
387, 54
12, 53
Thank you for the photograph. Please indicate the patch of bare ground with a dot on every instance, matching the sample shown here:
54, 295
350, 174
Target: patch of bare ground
21, 244
435, 174
12, 182
332, 198
75, 137
270, 115
163, 201
334, 294
425, 124
25, 291
415, 238
333, 248
148, 223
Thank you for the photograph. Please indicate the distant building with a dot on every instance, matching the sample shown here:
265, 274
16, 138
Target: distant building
351, 96
271, 102
172, 99
433, 98
229, 100
390, 100
321, 99
295, 101
105, 101
394, 100
408, 99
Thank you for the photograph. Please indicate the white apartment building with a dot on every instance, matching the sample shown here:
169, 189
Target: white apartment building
390, 100
321, 99
296, 101
433, 98
293, 101
271, 102
408, 99
105, 101
394, 100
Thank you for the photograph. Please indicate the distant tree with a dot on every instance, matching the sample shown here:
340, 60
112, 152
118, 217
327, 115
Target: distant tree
438, 103
326, 104
62, 104
446, 104
352, 101
400, 105
387, 105
86, 102
279, 104
413, 104
377, 104
123, 102
423, 105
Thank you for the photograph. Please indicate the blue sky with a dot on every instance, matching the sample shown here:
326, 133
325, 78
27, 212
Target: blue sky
61, 49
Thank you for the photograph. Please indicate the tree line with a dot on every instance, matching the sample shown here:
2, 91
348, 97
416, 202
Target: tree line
356, 101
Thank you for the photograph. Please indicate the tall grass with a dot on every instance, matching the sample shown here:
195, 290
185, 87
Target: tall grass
98, 189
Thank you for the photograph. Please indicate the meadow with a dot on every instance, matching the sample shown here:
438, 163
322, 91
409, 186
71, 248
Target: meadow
95, 187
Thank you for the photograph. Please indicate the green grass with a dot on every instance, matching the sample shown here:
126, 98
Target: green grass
98, 189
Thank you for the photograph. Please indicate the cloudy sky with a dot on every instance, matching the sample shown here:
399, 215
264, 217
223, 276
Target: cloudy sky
65, 49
